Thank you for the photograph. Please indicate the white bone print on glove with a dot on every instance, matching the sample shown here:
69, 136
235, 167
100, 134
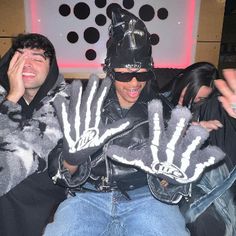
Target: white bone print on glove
174, 152
80, 119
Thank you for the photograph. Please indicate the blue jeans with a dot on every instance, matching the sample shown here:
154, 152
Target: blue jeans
93, 214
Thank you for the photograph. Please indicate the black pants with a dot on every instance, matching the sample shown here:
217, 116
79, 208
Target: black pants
28, 207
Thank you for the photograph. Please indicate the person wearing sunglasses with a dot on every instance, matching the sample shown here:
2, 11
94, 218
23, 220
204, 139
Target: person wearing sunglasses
115, 198
129, 83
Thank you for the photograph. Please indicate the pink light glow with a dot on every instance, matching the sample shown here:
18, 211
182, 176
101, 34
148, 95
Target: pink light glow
189, 36
34, 17
78, 65
188, 40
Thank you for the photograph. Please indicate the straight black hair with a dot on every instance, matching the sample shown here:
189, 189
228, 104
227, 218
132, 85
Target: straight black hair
193, 78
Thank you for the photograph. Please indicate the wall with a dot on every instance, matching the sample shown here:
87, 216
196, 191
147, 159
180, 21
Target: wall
12, 22
210, 30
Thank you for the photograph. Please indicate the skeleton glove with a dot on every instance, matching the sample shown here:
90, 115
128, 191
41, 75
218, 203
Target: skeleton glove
80, 120
172, 153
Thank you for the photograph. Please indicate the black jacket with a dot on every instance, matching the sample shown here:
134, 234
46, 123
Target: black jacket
113, 174
106, 174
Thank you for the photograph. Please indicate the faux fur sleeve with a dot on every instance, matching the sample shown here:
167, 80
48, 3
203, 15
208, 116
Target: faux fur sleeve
25, 150
10, 115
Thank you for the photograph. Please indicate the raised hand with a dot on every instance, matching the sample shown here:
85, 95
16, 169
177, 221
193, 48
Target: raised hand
80, 119
17, 88
227, 89
171, 153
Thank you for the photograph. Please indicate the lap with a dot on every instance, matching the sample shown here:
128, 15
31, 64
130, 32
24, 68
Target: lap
112, 214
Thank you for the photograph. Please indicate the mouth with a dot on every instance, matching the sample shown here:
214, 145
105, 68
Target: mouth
28, 75
134, 92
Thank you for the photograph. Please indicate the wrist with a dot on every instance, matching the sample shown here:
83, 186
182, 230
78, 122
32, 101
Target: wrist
13, 98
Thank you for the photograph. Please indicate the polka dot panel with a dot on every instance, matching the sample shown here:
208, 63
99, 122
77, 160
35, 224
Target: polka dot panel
79, 29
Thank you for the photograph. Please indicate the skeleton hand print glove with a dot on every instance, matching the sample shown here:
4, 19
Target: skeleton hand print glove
80, 118
174, 152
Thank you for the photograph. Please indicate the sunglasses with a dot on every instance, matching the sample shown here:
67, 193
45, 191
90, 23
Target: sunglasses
127, 77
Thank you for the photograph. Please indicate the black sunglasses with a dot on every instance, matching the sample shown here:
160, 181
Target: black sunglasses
127, 77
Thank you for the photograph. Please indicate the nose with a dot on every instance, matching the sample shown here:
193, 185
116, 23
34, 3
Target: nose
134, 81
28, 62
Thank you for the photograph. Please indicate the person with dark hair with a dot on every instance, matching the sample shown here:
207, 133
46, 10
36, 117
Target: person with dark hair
189, 84
110, 146
113, 187
115, 197
28, 78
195, 88
191, 88
216, 190
30, 132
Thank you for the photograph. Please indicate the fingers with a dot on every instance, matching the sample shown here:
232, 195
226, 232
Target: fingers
228, 91
224, 89
130, 157
87, 99
156, 128
75, 104
14, 59
227, 106
60, 110
99, 99
230, 77
120, 154
75, 93
193, 140
14, 72
156, 123
204, 158
177, 126
209, 125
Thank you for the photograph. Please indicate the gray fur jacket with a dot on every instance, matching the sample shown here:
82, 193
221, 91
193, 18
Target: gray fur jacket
26, 143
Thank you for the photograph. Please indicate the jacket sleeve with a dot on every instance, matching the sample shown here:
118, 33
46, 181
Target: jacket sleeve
25, 150
10, 115
60, 175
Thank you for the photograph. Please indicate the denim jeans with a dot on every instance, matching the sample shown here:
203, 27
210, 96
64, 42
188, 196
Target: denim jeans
110, 213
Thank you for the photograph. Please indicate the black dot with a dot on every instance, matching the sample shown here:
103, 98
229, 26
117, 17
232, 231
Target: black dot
100, 20
162, 13
81, 10
64, 10
146, 13
111, 7
128, 4
90, 54
91, 35
100, 3
154, 39
72, 37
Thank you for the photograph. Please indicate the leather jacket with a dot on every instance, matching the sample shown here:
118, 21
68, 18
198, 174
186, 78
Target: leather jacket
107, 175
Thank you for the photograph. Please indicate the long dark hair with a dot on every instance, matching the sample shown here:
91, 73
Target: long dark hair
193, 78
